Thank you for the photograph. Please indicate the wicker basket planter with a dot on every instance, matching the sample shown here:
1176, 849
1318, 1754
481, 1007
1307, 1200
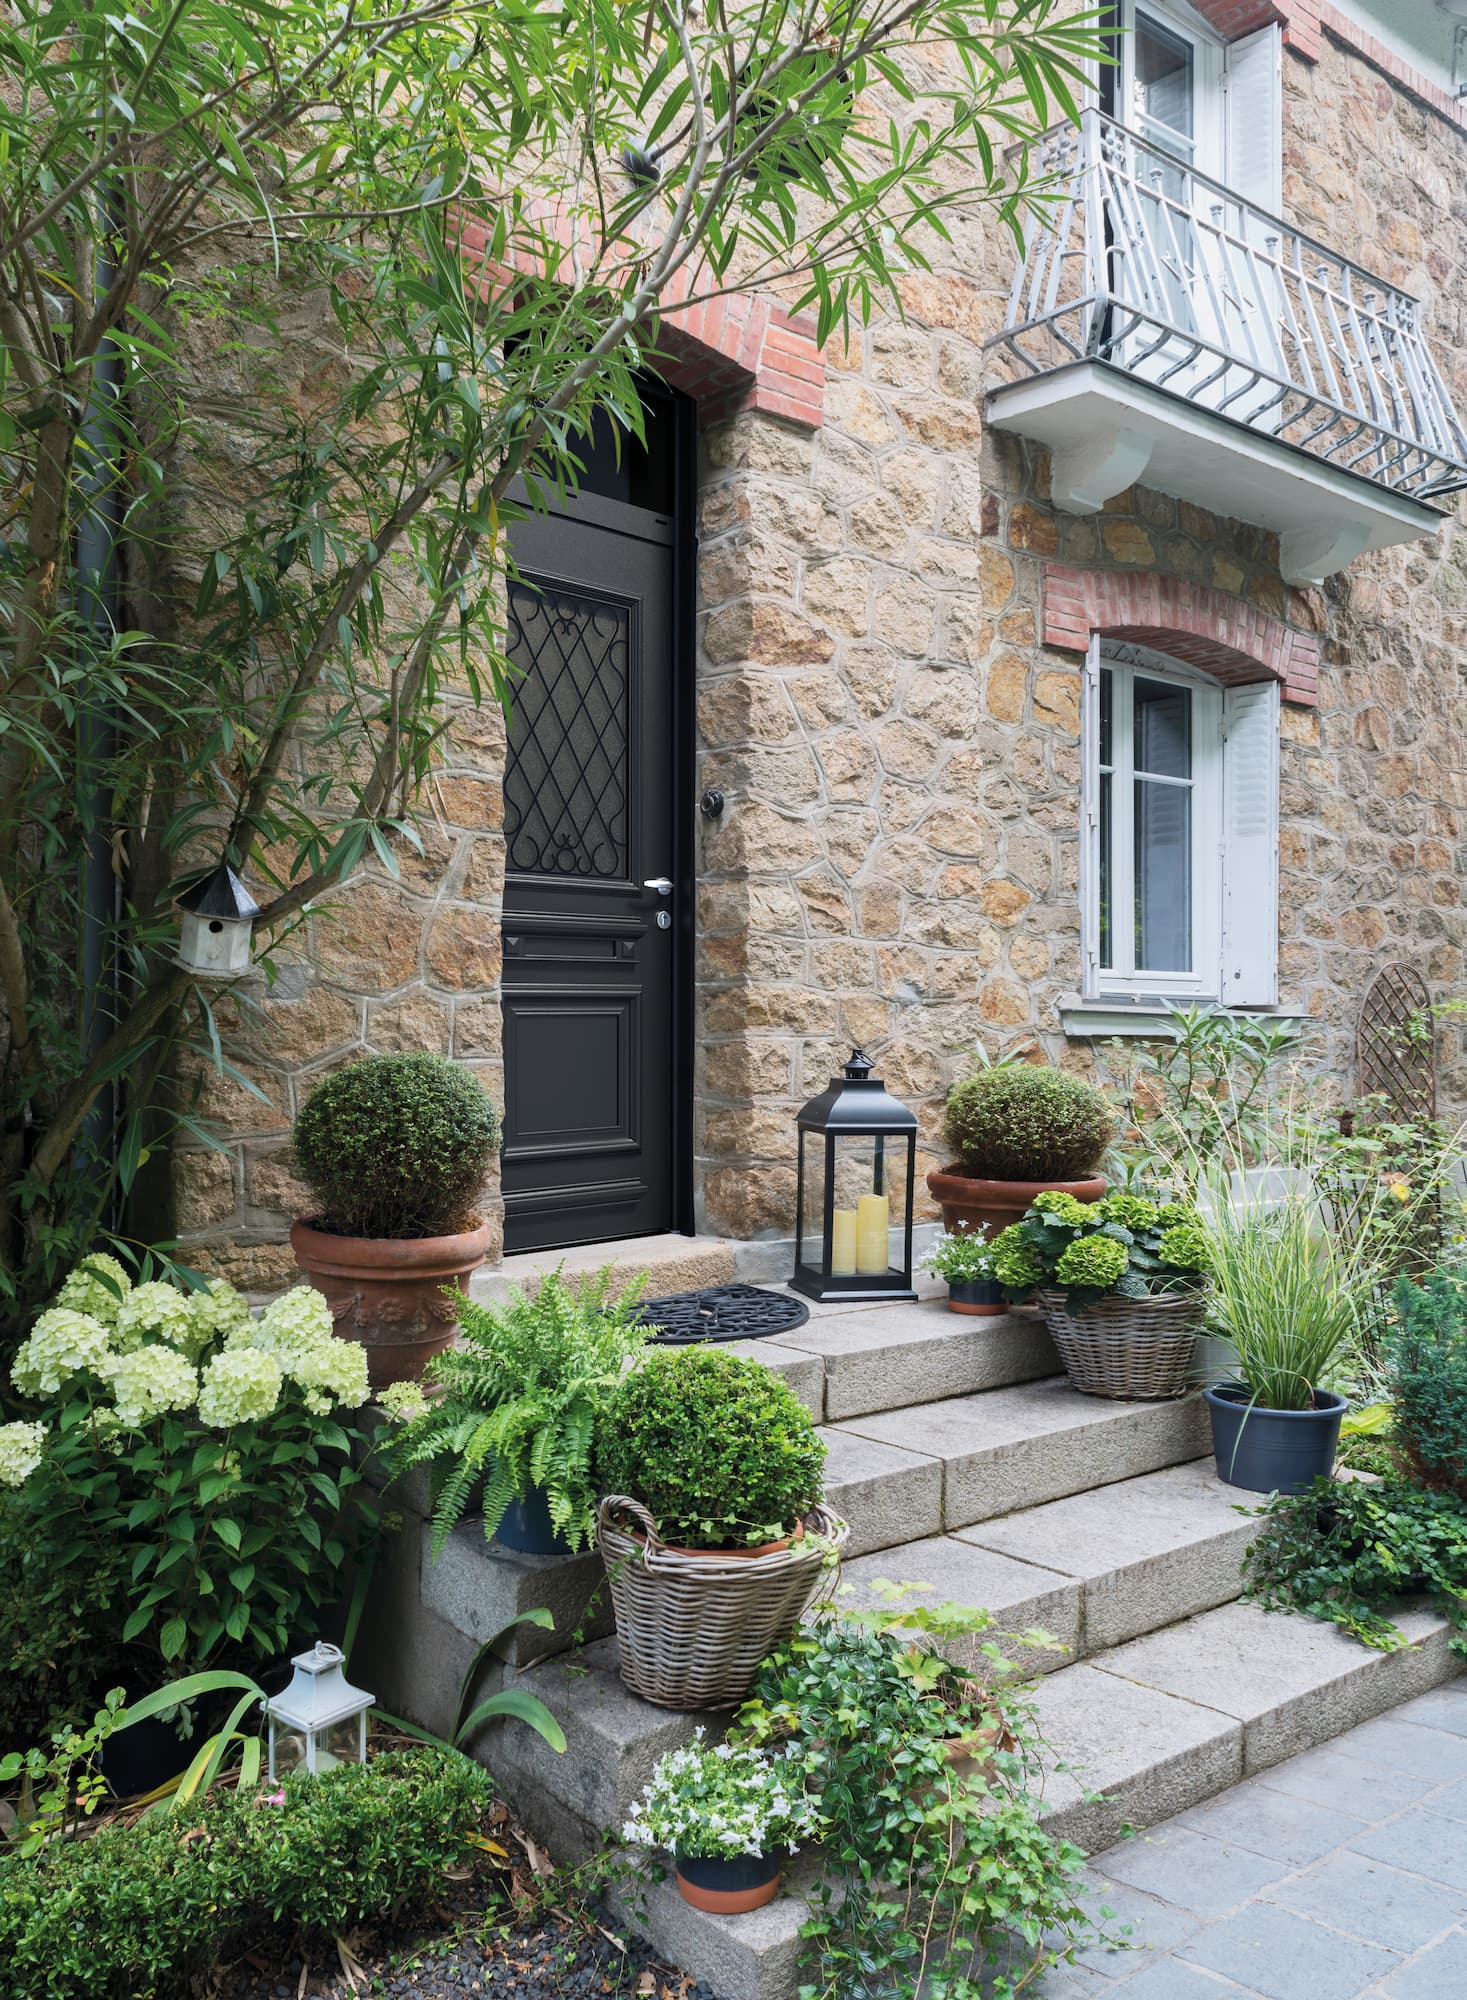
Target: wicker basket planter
1132, 1350
693, 1626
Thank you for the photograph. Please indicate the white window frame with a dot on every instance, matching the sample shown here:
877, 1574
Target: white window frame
1204, 981
1209, 143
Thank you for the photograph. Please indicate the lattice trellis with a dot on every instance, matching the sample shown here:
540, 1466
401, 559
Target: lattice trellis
1395, 1048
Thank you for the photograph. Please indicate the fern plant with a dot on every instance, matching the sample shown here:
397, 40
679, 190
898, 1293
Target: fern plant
519, 1400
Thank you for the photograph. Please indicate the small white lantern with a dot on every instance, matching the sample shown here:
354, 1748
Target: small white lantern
218, 915
321, 1719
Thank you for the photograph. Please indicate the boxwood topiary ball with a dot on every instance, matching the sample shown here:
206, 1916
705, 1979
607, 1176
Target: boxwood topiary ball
719, 1450
397, 1146
1028, 1123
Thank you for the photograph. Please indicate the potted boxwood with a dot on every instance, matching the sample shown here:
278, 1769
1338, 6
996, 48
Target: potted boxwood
725, 1814
520, 1397
1017, 1129
1121, 1283
712, 1526
964, 1258
395, 1149
1290, 1299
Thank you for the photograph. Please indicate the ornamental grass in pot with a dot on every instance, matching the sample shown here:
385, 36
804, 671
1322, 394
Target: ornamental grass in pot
1121, 1283
395, 1150
727, 1816
711, 1525
1017, 1129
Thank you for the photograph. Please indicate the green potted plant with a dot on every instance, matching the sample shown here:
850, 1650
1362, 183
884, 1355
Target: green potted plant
395, 1150
964, 1258
711, 1524
1121, 1283
1019, 1128
1426, 1365
520, 1397
725, 1814
1290, 1298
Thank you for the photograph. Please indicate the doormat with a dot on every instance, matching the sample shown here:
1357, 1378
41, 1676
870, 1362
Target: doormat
722, 1312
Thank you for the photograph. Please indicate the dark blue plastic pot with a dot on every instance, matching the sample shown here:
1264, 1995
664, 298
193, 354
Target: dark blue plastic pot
978, 1296
527, 1527
1273, 1451
727, 1884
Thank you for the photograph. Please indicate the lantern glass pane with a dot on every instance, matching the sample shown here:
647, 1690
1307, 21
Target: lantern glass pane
290, 1750
340, 1743
812, 1195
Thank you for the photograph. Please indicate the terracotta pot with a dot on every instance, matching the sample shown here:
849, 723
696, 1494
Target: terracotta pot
972, 1754
722, 1555
388, 1292
973, 1205
728, 1885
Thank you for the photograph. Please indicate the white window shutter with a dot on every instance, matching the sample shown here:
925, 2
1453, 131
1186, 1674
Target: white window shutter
1090, 823
1250, 845
1254, 146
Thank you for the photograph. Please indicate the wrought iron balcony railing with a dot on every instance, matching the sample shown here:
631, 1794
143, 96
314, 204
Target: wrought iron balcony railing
1144, 263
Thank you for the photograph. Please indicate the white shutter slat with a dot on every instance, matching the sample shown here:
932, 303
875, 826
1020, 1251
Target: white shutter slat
1254, 137
1250, 845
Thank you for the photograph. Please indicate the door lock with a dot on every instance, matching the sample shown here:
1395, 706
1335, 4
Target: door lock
664, 921
661, 884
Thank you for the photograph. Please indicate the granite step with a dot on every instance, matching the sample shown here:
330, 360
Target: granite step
671, 1263
1017, 1447
906, 1355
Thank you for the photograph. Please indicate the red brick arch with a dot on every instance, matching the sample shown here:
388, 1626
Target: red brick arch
1220, 635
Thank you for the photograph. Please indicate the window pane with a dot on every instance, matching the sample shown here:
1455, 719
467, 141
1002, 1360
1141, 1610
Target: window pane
1106, 678
1163, 877
1164, 85
1163, 728
1106, 949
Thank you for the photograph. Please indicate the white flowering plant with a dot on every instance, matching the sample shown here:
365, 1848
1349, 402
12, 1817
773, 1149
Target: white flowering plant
713, 1801
188, 1466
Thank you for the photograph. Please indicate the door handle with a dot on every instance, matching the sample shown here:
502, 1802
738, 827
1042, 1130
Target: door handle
661, 884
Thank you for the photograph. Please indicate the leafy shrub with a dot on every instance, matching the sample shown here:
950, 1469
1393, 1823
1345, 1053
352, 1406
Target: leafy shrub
397, 1146
187, 1485
719, 1450
1346, 1549
1124, 1247
1021, 1122
1427, 1369
135, 1911
521, 1398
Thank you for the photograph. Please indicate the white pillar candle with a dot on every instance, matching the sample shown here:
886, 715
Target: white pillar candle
843, 1243
873, 1220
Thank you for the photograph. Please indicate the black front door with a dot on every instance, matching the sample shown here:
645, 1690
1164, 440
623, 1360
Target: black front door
593, 917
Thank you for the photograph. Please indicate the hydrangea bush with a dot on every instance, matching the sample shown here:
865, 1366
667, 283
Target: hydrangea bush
188, 1465
717, 1802
1123, 1247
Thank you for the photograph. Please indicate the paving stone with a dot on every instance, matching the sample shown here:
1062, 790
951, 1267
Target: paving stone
1016, 1447
1169, 1979
1401, 1746
1443, 1708
1272, 1823
889, 1496
1286, 1957
1367, 1899
1147, 1551
1070, 1982
912, 1354
1147, 1928
1336, 1778
1147, 1754
1204, 1876
1451, 1800
1426, 1842
1438, 1974
1020, 1596
1291, 1681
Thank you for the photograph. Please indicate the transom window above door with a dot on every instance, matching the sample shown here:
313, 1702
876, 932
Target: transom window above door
1179, 832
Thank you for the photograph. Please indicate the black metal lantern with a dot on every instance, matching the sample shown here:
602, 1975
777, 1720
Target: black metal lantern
858, 1166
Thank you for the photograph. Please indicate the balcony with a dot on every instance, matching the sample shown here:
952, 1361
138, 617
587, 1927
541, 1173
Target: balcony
1162, 330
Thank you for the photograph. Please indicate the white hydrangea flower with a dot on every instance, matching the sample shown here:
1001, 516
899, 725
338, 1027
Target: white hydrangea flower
158, 1309
240, 1385
59, 1344
295, 1323
151, 1380
331, 1374
84, 1291
403, 1401
22, 1447
216, 1313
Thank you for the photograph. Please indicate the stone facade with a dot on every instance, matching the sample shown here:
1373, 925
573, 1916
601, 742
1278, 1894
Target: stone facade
891, 708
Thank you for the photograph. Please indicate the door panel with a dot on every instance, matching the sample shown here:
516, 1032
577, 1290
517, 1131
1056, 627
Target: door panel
590, 1091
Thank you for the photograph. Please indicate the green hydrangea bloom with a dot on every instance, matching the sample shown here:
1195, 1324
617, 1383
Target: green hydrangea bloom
60, 1345
1173, 1214
1092, 1260
240, 1386
158, 1309
84, 1291
1131, 1211
1184, 1247
22, 1447
1016, 1263
217, 1312
150, 1381
1066, 1208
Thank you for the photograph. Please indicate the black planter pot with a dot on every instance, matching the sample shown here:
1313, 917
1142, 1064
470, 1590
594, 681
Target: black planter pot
527, 1527
1273, 1451
728, 1884
978, 1296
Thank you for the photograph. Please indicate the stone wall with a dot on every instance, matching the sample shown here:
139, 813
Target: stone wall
898, 861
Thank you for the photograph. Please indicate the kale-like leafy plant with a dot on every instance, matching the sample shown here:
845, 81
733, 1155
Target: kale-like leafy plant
521, 1396
1346, 1551
1026, 1122
1125, 1246
1426, 1364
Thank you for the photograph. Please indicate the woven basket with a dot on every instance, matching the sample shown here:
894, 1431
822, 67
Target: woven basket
1132, 1350
694, 1628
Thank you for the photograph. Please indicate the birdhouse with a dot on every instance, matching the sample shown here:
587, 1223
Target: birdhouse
218, 916
320, 1720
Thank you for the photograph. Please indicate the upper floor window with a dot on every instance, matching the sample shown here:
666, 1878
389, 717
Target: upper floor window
1180, 832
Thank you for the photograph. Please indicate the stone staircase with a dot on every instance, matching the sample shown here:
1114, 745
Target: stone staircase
965, 1464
